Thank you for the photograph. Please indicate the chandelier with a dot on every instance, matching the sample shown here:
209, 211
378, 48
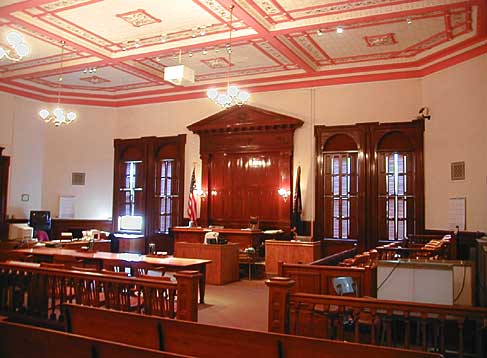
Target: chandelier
16, 49
233, 95
58, 116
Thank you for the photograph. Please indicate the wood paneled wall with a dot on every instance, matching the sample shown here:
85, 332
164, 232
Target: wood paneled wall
4, 169
247, 155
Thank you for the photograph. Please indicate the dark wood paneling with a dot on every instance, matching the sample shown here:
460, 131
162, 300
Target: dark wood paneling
247, 155
4, 169
65, 225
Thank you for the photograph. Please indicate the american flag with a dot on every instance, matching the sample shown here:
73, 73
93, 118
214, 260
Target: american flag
192, 200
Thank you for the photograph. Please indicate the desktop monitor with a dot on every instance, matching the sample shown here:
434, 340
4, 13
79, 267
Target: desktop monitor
130, 223
40, 220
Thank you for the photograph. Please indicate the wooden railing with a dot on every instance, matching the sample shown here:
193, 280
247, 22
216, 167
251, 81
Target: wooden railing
449, 330
29, 290
319, 279
333, 260
206, 341
21, 341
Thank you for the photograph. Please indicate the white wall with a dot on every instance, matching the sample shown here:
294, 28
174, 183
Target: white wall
457, 97
457, 132
85, 146
23, 136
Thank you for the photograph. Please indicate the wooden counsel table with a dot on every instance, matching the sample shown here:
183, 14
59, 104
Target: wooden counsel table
243, 237
224, 267
170, 263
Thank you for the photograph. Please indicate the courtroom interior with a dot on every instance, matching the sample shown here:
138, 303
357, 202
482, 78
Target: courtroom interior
243, 178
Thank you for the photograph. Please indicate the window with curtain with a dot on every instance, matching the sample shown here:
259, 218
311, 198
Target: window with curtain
148, 182
369, 182
341, 194
167, 195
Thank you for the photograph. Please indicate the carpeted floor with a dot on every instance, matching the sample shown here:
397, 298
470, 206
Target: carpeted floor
241, 304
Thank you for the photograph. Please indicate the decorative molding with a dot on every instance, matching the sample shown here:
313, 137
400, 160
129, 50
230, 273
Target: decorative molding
380, 40
95, 80
217, 62
138, 18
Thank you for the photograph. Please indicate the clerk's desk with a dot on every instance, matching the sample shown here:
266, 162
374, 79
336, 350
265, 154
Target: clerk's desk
243, 237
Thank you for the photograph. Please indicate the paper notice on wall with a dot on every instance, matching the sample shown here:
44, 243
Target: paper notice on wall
456, 213
66, 207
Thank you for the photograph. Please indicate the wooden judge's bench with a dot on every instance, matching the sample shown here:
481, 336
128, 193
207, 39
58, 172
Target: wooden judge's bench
243, 237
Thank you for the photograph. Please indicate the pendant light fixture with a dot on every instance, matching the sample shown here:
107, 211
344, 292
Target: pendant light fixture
58, 116
15, 49
233, 95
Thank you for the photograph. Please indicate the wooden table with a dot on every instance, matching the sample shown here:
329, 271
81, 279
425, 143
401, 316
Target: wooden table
170, 263
224, 267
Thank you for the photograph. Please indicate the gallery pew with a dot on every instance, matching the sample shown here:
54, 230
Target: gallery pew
456, 330
206, 341
21, 341
319, 279
30, 290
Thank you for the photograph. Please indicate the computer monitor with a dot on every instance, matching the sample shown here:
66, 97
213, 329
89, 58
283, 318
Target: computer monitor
20, 232
130, 223
40, 220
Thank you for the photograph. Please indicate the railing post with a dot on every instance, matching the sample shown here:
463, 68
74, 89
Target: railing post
187, 307
279, 288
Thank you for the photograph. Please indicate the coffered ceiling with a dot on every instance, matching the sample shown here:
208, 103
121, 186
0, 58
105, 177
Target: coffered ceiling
276, 44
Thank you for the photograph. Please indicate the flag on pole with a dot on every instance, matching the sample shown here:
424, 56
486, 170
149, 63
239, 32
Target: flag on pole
296, 223
192, 200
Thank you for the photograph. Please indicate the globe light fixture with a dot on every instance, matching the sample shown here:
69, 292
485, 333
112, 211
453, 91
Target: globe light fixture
16, 48
58, 116
233, 95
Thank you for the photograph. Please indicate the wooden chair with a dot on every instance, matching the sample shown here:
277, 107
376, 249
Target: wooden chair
116, 266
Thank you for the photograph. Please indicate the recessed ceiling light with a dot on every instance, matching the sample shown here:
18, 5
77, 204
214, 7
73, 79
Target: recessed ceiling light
319, 32
339, 30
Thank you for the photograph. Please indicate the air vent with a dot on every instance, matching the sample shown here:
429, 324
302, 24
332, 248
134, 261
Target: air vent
78, 179
458, 171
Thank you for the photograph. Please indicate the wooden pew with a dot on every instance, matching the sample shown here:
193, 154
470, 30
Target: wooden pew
319, 279
419, 326
31, 290
206, 341
21, 341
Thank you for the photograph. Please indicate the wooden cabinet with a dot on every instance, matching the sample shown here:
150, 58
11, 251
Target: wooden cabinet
290, 252
224, 266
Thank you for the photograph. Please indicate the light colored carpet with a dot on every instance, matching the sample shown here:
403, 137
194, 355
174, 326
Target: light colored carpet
241, 304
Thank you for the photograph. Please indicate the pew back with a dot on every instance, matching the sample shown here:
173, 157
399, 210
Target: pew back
21, 341
205, 341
